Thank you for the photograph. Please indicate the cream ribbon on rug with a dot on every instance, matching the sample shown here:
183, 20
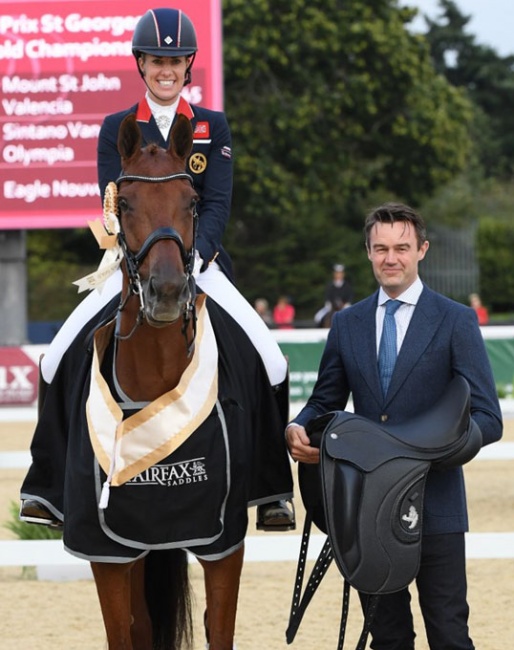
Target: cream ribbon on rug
125, 448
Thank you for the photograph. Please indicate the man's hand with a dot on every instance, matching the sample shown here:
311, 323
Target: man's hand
300, 446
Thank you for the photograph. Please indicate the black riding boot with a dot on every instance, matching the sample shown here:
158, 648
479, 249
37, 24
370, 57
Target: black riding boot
277, 515
32, 511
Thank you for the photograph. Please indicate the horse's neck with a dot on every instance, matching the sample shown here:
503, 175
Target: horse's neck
151, 362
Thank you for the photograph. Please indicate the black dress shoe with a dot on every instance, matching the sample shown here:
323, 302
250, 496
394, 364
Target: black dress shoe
34, 512
275, 516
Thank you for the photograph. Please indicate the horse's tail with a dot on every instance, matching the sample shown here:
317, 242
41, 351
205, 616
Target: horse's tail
168, 597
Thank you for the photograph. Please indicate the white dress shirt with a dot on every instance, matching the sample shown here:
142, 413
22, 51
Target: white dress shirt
163, 115
403, 314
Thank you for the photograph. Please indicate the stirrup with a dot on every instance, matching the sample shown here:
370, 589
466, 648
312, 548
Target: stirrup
34, 512
276, 516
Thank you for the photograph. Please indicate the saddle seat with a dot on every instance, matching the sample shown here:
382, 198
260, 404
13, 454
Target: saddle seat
442, 435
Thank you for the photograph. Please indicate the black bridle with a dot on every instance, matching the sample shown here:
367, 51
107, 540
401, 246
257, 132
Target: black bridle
134, 260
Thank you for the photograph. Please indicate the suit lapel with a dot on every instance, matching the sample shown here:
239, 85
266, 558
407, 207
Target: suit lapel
149, 128
422, 328
151, 133
363, 337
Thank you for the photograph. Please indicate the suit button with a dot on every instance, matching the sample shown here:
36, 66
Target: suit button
384, 417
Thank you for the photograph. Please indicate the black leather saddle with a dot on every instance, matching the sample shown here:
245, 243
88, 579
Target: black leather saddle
367, 496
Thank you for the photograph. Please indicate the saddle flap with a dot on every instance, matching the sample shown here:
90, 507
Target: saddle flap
374, 520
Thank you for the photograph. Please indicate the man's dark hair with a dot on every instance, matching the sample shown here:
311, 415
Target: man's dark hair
391, 212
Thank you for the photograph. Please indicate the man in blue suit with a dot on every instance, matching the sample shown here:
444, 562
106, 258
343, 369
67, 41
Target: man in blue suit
436, 339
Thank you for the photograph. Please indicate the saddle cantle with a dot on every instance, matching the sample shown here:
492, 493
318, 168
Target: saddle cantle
367, 492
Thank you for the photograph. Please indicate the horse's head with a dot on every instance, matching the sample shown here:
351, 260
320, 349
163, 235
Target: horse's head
156, 208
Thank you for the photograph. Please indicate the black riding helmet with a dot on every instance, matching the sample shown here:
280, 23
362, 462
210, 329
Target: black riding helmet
165, 32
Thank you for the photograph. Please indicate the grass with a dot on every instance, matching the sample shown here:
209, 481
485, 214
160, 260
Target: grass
23, 530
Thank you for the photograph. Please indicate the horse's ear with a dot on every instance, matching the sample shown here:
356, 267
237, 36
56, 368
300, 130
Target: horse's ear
181, 137
129, 137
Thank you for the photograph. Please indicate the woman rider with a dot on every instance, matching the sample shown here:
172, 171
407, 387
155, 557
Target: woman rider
164, 46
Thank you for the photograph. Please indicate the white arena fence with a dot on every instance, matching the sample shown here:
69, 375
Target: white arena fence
54, 563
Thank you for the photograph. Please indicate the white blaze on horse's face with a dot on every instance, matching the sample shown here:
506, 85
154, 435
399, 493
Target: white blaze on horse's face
148, 206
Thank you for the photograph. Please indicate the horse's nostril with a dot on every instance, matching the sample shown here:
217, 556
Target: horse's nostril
166, 299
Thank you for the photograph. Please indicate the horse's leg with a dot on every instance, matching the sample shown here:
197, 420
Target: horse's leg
141, 630
113, 587
222, 579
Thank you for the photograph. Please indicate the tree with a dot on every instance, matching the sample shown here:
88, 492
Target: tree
334, 106
487, 78
496, 241
57, 258
331, 104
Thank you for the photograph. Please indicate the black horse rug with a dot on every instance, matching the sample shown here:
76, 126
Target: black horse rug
180, 472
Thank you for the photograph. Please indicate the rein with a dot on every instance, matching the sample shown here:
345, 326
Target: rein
134, 260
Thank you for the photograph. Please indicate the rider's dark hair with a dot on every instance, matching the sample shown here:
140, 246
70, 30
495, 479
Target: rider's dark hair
391, 212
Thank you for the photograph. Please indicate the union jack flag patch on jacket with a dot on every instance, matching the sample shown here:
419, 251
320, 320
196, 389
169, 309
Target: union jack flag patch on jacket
226, 151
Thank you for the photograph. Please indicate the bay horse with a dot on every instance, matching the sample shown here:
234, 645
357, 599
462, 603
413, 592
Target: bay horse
166, 411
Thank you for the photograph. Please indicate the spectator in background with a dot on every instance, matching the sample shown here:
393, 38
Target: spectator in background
284, 313
261, 306
339, 292
338, 295
480, 310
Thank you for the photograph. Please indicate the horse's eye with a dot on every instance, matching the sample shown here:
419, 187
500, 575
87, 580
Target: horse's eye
122, 204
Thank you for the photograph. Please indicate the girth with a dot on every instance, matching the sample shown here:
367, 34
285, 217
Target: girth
367, 496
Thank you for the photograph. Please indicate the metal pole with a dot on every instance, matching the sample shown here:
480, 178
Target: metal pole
13, 287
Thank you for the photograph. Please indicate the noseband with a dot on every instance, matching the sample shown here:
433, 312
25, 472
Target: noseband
134, 260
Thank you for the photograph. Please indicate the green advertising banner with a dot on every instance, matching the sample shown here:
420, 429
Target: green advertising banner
304, 348
501, 356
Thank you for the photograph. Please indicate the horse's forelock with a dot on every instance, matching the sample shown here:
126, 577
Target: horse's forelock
153, 160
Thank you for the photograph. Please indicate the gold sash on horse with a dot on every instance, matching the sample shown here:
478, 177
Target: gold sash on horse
125, 448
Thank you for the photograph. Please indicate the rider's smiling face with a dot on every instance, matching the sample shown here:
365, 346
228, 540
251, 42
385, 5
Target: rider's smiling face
164, 76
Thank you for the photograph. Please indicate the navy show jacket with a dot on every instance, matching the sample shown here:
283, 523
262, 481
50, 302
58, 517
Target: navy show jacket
210, 165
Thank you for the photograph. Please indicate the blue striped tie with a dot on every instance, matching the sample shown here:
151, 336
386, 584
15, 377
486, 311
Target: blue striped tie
387, 349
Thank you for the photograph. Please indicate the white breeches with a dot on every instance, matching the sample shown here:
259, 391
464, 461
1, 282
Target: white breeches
214, 283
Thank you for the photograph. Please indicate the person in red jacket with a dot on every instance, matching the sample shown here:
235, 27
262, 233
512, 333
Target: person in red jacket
284, 313
481, 311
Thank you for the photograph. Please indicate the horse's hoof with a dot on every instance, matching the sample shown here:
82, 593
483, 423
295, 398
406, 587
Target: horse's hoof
33, 512
275, 516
